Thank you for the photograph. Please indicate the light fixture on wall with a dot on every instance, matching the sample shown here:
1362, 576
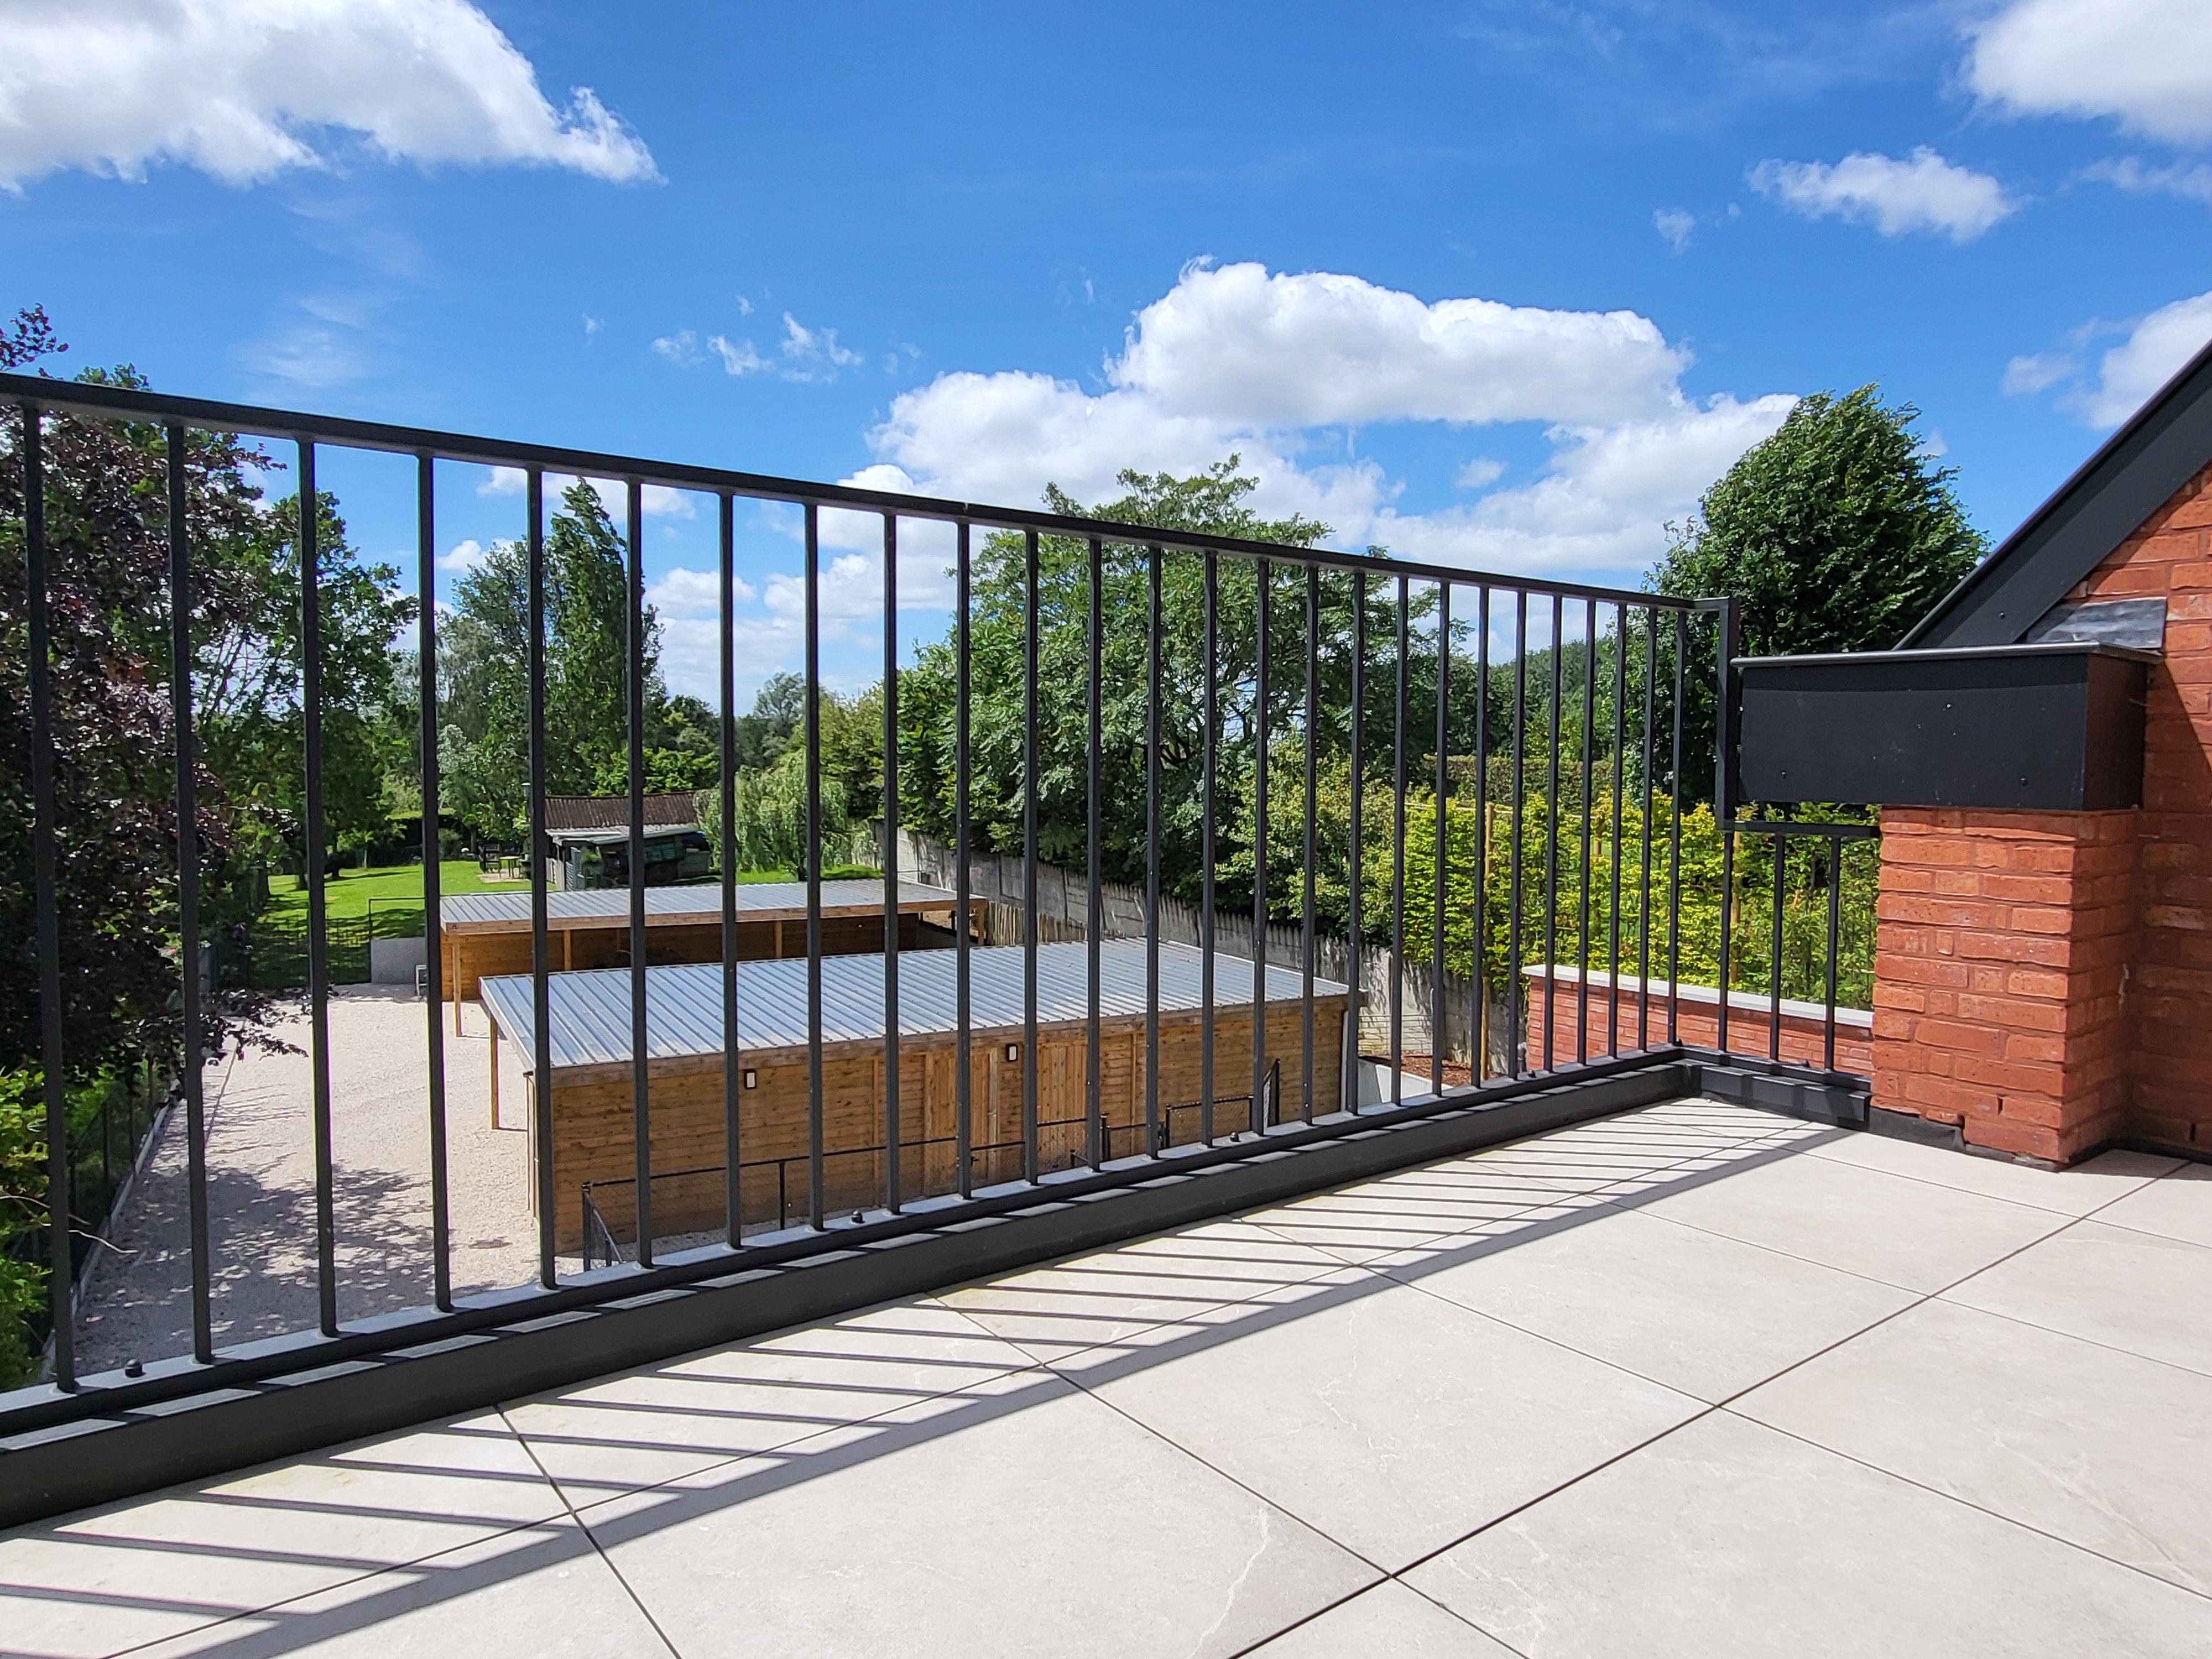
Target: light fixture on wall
1013, 1052
751, 1078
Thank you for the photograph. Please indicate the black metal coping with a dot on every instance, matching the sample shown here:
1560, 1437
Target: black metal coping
127, 1437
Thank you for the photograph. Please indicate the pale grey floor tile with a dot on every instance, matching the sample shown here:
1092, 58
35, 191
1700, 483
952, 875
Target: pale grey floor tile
541, 1591
155, 1566
1393, 1421
2179, 1206
1158, 1344
1177, 1278
1703, 1314
1386, 1622
2100, 1448
2074, 1192
655, 1425
2148, 1295
1055, 1526
1909, 1233
1727, 1538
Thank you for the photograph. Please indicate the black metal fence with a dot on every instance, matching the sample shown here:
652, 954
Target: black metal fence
1539, 896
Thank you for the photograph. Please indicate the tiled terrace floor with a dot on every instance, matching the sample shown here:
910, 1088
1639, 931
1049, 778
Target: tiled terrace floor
1693, 1381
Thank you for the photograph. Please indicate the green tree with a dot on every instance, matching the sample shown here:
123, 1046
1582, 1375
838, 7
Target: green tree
587, 647
1835, 534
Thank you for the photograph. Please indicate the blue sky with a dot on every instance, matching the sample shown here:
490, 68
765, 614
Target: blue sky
1500, 285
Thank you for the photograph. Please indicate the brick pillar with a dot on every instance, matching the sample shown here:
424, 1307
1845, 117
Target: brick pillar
2001, 972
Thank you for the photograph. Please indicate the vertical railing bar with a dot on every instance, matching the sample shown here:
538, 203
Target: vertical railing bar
1480, 1025
188, 911
1835, 903
1312, 800
1356, 882
1155, 624
1030, 624
1620, 783
1398, 855
1644, 907
891, 915
426, 653
319, 970
1590, 757
1774, 955
1444, 744
1515, 978
964, 1103
1262, 585
1551, 835
733, 1196
1094, 916
1674, 838
1724, 805
541, 1016
1211, 604
45, 860
812, 854
641, 1094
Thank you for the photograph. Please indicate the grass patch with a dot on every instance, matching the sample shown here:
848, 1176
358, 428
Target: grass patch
349, 892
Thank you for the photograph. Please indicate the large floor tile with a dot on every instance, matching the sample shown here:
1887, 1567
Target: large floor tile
1909, 1233
2086, 1186
140, 1571
1055, 1526
1172, 1280
1727, 1538
655, 1425
542, 1591
2178, 1206
1703, 1314
1387, 1622
2148, 1295
1392, 1420
2110, 1451
1383, 1220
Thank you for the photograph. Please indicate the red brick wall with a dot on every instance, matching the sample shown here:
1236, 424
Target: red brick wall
2000, 955
2169, 991
1697, 1022
2044, 980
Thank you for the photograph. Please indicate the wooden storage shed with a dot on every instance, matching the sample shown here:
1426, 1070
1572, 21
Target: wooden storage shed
593, 1133
486, 933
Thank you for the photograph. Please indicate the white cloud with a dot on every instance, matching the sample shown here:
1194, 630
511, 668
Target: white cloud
1480, 473
680, 349
659, 501
307, 355
1676, 226
464, 556
804, 354
1240, 343
2146, 63
2191, 182
245, 89
1630, 449
2025, 376
682, 593
2158, 345
1924, 193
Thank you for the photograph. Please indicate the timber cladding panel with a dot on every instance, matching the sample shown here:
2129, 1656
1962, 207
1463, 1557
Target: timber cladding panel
593, 1129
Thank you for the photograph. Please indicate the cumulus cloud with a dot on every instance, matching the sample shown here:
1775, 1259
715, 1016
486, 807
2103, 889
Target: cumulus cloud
1291, 355
683, 593
1676, 226
1240, 343
1923, 193
2154, 347
2193, 182
245, 89
2145, 63
463, 557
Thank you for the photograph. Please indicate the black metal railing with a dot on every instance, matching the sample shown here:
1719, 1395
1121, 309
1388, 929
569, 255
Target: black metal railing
1562, 802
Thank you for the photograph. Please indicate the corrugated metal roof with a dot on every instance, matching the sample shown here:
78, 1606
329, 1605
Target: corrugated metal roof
756, 901
673, 809
683, 1003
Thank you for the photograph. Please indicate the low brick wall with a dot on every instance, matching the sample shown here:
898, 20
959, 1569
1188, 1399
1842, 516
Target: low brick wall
1697, 1020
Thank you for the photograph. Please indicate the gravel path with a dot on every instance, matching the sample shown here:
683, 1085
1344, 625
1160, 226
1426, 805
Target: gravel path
261, 1188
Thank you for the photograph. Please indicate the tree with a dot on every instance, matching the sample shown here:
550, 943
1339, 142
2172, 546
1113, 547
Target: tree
587, 649
1837, 533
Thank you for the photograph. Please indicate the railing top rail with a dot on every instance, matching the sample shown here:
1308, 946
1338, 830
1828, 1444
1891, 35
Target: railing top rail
110, 402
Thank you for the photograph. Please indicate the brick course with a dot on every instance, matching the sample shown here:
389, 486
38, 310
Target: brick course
2044, 980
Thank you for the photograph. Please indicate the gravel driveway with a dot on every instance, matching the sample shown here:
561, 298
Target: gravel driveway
261, 1188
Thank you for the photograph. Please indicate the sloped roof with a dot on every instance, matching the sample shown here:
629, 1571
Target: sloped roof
2137, 471
665, 812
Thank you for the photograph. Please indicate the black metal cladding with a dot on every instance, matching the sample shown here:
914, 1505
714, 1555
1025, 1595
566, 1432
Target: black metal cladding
2045, 727
1327, 577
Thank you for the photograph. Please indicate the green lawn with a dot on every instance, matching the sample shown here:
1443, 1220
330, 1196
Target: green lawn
348, 893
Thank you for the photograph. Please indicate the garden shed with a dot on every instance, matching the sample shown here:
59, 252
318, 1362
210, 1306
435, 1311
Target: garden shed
593, 1131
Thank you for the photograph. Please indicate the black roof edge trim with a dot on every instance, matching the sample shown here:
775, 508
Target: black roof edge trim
2134, 472
1956, 653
